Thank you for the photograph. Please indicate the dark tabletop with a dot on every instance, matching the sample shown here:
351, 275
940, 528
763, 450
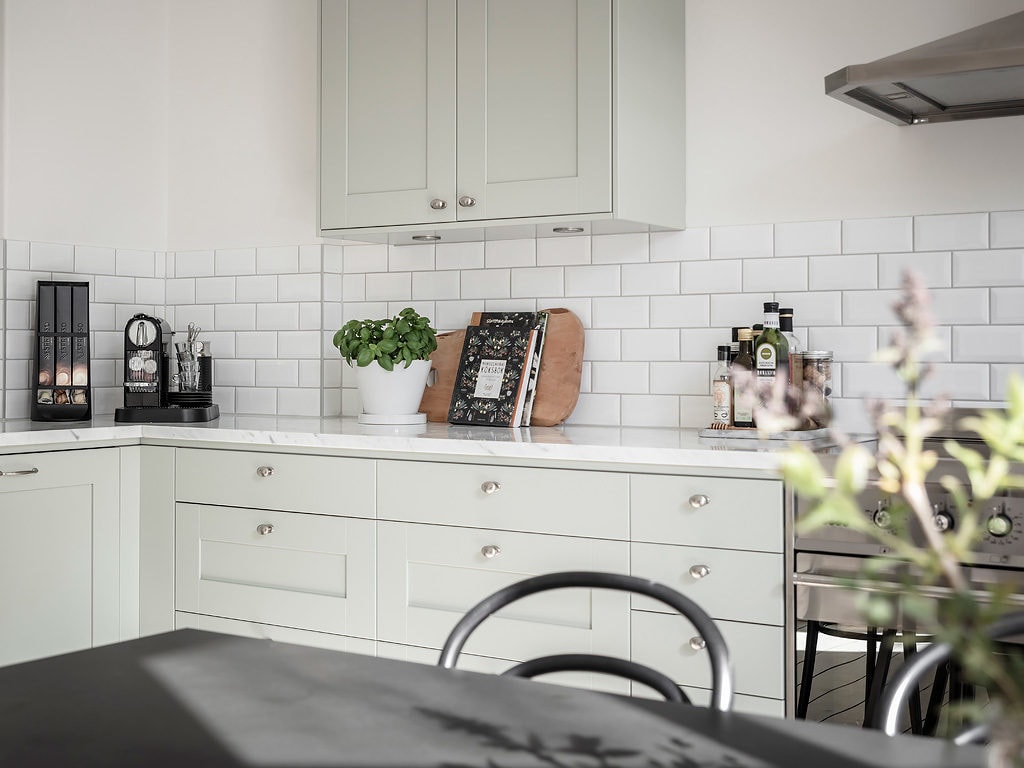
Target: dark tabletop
195, 699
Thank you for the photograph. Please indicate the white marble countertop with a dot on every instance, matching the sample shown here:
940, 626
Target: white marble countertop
563, 445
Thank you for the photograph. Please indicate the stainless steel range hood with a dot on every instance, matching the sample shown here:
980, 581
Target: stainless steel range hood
972, 74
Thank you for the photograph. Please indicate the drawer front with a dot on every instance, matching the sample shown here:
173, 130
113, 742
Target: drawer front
562, 501
662, 641
489, 666
727, 583
270, 632
310, 572
429, 576
324, 485
721, 512
748, 705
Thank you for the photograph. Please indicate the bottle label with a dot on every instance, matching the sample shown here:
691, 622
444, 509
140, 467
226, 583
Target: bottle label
765, 360
721, 391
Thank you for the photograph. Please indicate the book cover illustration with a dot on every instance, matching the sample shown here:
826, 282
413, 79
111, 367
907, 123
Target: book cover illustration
494, 369
535, 320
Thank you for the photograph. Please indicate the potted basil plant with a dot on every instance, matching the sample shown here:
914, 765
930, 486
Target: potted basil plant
391, 359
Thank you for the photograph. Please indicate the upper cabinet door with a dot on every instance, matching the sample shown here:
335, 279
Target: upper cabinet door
387, 112
534, 108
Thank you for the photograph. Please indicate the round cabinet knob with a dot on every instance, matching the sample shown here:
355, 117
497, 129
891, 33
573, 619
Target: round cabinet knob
490, 487
265, 529
264, 471
490, 551
999, 525
882, 518
467, 202
943, 522
699, 571
438, 204
699, 500
697, 643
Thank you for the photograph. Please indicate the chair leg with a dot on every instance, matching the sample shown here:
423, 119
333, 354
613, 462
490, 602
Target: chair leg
880, 671
807, 675
869, 661
909, 649
931, 718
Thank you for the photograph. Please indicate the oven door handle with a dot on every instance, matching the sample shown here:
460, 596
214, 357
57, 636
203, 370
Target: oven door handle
843, 582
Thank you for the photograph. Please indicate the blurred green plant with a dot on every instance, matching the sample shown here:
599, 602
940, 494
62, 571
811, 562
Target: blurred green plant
904, 579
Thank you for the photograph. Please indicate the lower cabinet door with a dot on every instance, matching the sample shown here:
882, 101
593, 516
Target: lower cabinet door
662, 641
429, 575
278, 634
289, 569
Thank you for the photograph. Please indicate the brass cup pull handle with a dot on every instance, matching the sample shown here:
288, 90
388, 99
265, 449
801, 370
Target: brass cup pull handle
16, 472
490, 551
265, 529
699, 571
699, 500
697, 643
264, 471
489, 487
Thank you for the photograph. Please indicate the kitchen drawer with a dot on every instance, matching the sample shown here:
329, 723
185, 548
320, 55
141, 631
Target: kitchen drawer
748, 705
662, 641
729, 513
562, 501
738, 585
312, 572
428, 576
489, 666
271, 632
325, 485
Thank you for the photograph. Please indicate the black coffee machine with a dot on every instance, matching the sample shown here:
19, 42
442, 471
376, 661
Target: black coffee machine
151, 391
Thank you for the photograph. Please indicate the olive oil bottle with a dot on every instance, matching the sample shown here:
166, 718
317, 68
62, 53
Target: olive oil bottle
771, 350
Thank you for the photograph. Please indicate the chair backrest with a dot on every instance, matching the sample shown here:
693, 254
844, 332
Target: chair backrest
899, 688
718, 652
607, 665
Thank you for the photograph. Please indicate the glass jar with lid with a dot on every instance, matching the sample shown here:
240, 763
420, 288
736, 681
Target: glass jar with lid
817, 384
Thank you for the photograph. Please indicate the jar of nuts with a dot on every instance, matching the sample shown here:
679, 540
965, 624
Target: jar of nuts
817, 383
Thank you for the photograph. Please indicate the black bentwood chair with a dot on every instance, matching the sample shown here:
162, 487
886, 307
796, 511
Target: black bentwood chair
718, 652
906, 681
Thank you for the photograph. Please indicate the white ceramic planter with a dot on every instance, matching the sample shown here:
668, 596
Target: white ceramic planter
392, 393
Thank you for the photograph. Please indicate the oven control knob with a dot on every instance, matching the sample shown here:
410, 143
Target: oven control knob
999, 525
943, 522
882, 518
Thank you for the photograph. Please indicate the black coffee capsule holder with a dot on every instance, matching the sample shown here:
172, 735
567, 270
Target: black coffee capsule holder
62, 386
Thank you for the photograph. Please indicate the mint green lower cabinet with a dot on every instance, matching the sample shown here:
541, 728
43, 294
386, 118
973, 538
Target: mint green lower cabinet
272, 632
59, 555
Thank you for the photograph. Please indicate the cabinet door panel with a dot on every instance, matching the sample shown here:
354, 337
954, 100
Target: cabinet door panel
387, 111
534, 107
271, 632
59, 553
430, 575
311, 572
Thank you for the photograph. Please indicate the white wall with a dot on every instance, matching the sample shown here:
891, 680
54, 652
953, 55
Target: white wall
3, 123
85, 130
765, 144
242, 150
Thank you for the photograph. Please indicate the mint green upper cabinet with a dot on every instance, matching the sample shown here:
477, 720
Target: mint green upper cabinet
456, 113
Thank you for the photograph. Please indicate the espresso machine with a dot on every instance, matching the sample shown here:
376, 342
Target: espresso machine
153, 391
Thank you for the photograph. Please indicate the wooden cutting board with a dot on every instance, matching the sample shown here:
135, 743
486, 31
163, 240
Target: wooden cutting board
558, 381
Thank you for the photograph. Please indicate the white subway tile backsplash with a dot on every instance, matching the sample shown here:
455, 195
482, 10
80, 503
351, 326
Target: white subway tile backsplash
510, 253
365, 258
1007, 305
299, 344
753, 241
649, 344
808, 238
234, 373
603, 344
878, 235
486, 283
52, 257
562, 251
301, 287
1007, 229
134, 263
16, 255
933, 267
701, 344
180, 290
22, 285
680, 311
847, 344
310, 316
956, 306
256, 400
958, 381
150, 290
311, 258
624, 312
789, 274
868, 308
410, 258
258, 345
333, 259
951, 232
843, 272
277, 373
193, 264
620, 249
275, 317
235, 261
811, 309
738, 309
256, 288
602, 280
310, 373
453, 315
692, 244
712, 277
235, 317
616, 377
988, 268
988, 344
294, 401
277, 260
650, 410
113, 290
592, 408
459, 255
215, 290
681, 379
387, 286
650, 279
20, 315
538, 281
89, 260
1001, 375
